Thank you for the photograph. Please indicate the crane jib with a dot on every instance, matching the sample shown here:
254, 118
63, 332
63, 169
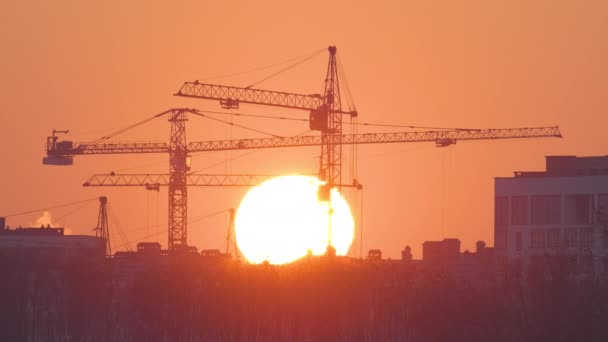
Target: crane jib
231, 97
310, 140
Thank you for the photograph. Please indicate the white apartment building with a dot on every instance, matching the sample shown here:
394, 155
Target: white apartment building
561, 210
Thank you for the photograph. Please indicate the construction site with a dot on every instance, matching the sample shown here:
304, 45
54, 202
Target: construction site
60, 287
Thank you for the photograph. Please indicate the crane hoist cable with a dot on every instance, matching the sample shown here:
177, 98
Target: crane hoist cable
122, 130
350, 102
224, 161
199, 113
287, 118
72, 212
121, 232
195, 219
141, 166
195, 112
414, 127
314, 54
342, 74
256, 116
215, 77
238, 156
200, 218
52, 207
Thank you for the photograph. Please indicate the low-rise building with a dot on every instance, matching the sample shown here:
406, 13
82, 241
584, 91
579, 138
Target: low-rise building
441, 251
48, 243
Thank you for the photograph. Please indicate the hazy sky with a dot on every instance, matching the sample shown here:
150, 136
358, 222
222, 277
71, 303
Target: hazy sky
92, 67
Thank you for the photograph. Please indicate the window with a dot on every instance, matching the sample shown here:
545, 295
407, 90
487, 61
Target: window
546, 209
602, 209
571, 237
518, 241
500, 238
501, 211
578, 209
537, 238
519, 210
553, 240
586, 235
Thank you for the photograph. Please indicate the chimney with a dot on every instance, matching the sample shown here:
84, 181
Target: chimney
479, 246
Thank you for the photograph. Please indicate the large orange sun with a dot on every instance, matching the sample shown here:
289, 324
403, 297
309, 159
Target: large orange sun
281, 219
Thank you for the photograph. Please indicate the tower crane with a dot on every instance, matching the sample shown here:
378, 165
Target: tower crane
178, 179
325, 115
230, 233
102, 230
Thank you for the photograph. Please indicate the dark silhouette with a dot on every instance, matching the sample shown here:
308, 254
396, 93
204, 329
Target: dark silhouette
186, 296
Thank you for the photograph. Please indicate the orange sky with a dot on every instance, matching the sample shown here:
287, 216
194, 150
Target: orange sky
94, 68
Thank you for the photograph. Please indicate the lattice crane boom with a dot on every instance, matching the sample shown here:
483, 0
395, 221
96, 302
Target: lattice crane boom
153, 181
440, 138
232, 97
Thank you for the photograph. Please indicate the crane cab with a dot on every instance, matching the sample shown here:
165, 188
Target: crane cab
57, 151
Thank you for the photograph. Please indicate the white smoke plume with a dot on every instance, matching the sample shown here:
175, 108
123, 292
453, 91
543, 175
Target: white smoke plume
46, 220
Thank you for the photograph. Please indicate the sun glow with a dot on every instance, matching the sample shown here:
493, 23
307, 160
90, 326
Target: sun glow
281, 219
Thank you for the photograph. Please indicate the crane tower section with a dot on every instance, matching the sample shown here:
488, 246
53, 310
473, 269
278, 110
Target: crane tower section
179, 165
325, 114
329, 122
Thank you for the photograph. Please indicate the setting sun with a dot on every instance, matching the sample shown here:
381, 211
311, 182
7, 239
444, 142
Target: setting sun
281, 219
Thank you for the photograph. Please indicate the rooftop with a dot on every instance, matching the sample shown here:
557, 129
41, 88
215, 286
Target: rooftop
570, 166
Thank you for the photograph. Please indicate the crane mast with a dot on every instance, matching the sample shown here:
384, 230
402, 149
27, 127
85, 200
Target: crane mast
179, 165
330, 168
328, 120
102, 230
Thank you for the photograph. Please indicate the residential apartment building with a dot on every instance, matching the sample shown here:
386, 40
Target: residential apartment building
562, 210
